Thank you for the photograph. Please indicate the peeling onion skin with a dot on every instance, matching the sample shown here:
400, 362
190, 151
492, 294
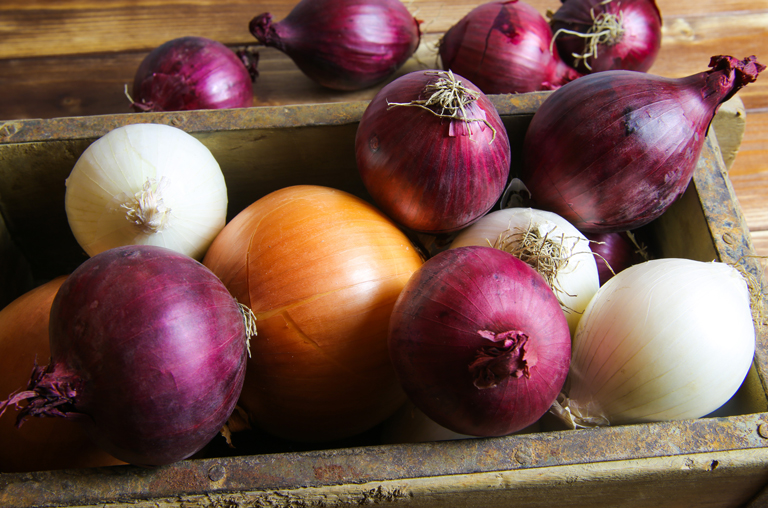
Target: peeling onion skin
321, 269
343, 44
613, 150
433, 340
431, 174
190, 73
635, 50
504, 47
41, 444
148, 352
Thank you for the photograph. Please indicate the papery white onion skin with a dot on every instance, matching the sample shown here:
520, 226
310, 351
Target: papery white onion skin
576, 281
117, 166
667, 339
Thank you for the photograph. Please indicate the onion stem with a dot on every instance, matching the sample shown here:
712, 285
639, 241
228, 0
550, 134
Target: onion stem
147, 210
451, 97
606, 29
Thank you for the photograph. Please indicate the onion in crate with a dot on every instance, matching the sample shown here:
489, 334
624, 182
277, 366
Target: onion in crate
321, 270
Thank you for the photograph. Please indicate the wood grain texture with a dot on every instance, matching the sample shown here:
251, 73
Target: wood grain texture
75, 57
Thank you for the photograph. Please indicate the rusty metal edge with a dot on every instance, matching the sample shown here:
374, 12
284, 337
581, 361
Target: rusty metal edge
385, 462
205, 121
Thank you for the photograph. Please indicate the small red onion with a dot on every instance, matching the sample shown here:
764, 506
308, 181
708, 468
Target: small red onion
148, 352
615, 252
343, 44
479, 341
191, 73
600, 35
505, 47
432, 151
611, 151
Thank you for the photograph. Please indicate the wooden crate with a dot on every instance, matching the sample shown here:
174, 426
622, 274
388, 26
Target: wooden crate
717, 461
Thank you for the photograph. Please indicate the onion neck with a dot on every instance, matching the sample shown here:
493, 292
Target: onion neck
266, 32
146, 209
508, 357
49, 394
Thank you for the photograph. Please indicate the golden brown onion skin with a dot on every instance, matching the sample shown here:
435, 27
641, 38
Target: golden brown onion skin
41, 443
321, 269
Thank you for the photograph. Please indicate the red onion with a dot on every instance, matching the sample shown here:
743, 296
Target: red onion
479, 341
343, 44
194, 73
600, 35
611, 151
148, 351
505, 47
615, 252
432, 151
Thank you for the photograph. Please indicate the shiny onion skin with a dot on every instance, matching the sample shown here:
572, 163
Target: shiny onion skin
631, 40
612, 150
479, 341
321, 270
343, 44
504, 47
41, 444
148, 352
432, 174
192, 73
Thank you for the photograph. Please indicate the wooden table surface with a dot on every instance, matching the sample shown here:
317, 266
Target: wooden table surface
74, 57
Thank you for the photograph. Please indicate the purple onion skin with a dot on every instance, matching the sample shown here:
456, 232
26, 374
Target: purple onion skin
611, 151
191, 73
635, 50
148, 351
615, 252
434, 341
343, 44
504, 47
427, 173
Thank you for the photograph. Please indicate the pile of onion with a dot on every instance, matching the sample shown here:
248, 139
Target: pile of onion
601, 35
194, 73
40, 444
432, 151
505, 47
479, 341
667, 339
321, 270
148, 353
146, 184
343, 44
611, 151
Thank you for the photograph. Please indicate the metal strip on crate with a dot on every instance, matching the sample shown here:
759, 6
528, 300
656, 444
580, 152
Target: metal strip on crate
380, 463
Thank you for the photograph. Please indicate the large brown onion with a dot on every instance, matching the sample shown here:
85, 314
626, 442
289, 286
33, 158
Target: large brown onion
321, 269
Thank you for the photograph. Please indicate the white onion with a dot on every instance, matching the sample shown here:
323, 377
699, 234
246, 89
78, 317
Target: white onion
667, 339
574, 279
146, 184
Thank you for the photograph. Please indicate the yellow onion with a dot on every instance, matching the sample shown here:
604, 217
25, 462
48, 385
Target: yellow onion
321, 270
41, 443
